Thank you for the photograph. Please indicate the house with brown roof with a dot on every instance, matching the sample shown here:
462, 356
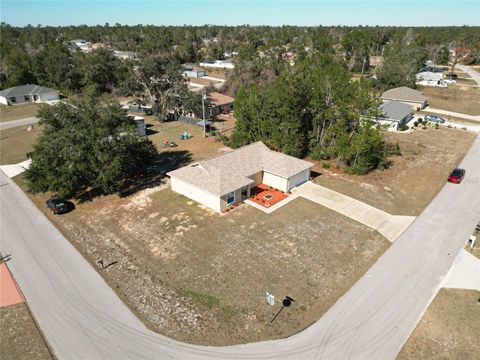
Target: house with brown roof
406, 95
228, 179
221, 104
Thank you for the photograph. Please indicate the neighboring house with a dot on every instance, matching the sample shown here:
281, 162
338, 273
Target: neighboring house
125, 55
395, 114
225, 180
220, 104
140, 122
430, 78
409, 96
27, 93
218, 64
193, 72
83, 45
138, 108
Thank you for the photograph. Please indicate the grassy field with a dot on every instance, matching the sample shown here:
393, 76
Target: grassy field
200, 277
457, 99
448, 330
16, 142
20, 338
414, 178
21, 111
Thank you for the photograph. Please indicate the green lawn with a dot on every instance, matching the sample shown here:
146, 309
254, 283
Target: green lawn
16, 142
16, 112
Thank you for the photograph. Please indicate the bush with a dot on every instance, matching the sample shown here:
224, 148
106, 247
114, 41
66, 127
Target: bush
424, 127
436, 126
449, 126
420, 120
326, 165
416, 123
403, 128
464, 128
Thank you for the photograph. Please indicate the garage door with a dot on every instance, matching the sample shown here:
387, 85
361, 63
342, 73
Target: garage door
298, 179
275, 181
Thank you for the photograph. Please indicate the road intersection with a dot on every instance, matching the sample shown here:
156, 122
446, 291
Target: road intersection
82, 317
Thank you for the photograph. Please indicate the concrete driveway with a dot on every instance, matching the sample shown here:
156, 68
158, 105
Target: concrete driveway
390, 226
14, 123
82, 318
473, 74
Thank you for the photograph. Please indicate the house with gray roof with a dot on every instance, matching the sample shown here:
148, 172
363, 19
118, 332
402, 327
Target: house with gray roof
395, 114
227, 179
409, 96
27, 93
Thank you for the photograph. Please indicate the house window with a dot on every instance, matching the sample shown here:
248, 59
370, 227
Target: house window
13, 100
230, 198
27, 98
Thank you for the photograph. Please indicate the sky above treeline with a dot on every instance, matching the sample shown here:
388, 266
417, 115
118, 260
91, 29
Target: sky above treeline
236, 12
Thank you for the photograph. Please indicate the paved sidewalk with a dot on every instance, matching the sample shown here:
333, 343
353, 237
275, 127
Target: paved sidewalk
455, 114
15, 169
14, 123
390, 226
465, 272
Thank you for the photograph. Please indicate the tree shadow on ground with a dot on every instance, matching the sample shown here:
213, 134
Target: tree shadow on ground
153, 175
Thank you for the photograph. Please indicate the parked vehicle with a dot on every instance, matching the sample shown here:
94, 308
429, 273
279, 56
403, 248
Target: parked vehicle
456, 176
452, 76
434, 118
58, 206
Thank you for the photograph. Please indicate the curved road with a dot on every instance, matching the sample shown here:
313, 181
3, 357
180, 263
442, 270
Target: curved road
82, 318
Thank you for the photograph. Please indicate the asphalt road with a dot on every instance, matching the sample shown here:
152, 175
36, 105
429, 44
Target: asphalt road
13, 123
82, 318
473, 74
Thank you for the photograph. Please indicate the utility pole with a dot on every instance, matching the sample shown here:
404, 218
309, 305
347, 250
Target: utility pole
203, 109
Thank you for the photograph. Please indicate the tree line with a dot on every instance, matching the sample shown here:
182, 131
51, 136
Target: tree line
314, 110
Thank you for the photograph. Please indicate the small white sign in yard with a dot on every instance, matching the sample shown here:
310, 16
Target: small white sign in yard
270, 298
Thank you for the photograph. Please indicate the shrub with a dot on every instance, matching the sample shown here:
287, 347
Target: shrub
326, 165
449, 126
436, 126
403, 128
420, 120
424, 127
415, 123
464, 128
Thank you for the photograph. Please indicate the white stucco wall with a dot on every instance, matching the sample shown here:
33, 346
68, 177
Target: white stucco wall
298, 179
195, 193
275, 181
3, 100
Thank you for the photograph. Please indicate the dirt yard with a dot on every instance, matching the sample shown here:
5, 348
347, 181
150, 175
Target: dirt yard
20, 338
16, 142
20, 111
463, 100
198, 147
200, 277
448, 330
413, 179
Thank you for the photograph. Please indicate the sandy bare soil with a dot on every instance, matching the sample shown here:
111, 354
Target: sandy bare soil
448, 330
464, 100
201, 277
19, 337
413, 179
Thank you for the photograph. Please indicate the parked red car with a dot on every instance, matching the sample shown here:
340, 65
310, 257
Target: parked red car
456, 176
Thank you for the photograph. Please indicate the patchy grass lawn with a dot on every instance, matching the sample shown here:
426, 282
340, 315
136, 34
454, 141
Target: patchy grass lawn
414, 178
16, 112
200, 277
16, 142
198, 146
20, 338
448, 330
457, 99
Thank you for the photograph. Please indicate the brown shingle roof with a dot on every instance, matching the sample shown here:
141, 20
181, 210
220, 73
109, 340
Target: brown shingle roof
218, 99
228, 172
